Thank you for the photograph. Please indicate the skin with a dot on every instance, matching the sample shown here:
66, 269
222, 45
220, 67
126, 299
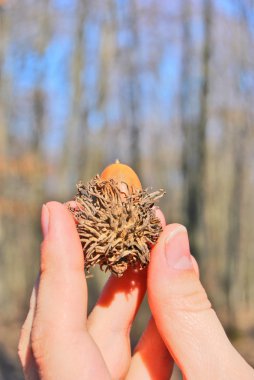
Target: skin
59, 341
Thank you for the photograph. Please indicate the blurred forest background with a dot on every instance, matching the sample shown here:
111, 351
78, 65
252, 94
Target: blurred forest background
165, 86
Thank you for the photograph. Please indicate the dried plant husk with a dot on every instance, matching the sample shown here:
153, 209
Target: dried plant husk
116, 228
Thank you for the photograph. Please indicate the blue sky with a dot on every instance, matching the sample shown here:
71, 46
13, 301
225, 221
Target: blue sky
52, 68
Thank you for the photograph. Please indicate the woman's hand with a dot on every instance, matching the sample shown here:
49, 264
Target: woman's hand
59, 342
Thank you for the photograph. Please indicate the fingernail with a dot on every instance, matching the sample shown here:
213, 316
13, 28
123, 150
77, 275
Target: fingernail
177, 249
44, 220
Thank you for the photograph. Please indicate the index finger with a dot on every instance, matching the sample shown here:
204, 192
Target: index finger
63, 288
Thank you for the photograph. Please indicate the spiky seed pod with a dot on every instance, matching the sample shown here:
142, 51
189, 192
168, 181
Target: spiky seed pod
116, 228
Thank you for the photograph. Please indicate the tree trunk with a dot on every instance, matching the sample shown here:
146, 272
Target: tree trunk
3, 125
194, 148
234, 226
74, 137
133, 90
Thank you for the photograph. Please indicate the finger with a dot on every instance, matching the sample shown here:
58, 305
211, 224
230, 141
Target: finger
62, 270
60, 342
151, 359
110, 321
72, 204
24, 348
183, 313
160, 215
195, 265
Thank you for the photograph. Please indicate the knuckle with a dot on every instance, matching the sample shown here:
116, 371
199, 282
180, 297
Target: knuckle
37, 343
45, 337
40, 338
187, 297
195, 300
40, 347
21, 352
23, 342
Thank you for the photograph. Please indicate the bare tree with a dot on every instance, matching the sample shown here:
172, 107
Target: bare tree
76, 127
194, 132
241, 135
3, 126
131, 67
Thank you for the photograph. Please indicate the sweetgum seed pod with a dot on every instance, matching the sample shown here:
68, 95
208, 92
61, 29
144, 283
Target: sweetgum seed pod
116, 220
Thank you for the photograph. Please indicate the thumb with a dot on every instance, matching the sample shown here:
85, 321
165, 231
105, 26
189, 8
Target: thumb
183, 313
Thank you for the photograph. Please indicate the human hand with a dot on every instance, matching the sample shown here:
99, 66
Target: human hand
185, 320
59, 342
